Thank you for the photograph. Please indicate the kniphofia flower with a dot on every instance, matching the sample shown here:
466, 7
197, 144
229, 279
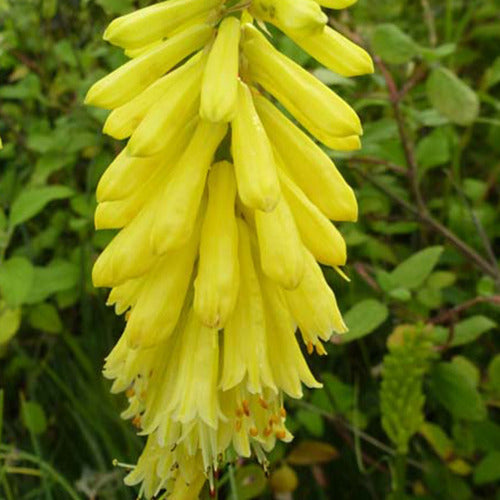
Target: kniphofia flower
224, 206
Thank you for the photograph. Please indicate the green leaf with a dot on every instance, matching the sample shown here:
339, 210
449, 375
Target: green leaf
488, 470
452, 97
453, 389
45, 317
438, 439
16, 279
311, 421
414, 271
392, 45
469, 369
58, 276
464, 332
434, 149
364, 318
34, 417
10, 321
31, 201
494, 373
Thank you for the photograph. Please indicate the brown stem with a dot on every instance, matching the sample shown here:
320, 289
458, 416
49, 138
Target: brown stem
451, 315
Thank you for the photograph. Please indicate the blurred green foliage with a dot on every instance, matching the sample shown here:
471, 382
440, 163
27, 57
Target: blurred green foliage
422, 256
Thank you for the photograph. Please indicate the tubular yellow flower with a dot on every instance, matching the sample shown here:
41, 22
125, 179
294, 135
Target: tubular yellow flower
219, 91
309, 165
318, 234
181, 198
217, 281
216, 264
246, 356
335, 51
155, 22
313, 104
258, 184
132, 78
281, 249
122, 122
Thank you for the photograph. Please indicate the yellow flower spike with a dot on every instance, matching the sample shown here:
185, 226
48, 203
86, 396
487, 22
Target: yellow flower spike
313, 305
181, 198
125, 173
308, 164
132, 78
155, 22
318, 234
161, 299
335, 51
219, 91
123, 121
336, 4
311, 102
167, 119
195, 388
281, 249
287, 362
256, 175
303, 15
245, 346
216, 285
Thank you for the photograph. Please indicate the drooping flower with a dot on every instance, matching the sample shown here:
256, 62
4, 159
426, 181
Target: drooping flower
224, 207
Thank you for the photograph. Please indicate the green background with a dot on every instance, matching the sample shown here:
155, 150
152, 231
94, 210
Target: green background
411, 399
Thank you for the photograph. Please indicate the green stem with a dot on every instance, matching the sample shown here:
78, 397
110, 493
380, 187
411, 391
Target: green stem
399, 477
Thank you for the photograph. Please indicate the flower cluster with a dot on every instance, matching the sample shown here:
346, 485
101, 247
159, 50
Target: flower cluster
224, 207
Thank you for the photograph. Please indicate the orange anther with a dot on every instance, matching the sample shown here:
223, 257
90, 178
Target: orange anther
239, 412
267, 432
281, 434
246, 407
136, 421
238, 425
282, 413
130, 393
263, 403
254, 432
310, 347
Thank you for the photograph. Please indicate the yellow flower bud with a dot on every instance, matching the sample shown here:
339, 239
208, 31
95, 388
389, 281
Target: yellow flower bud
132, 78
216, 285
219, 91
167, 119
308, 164
281, 249
258, 184
123, 121
155, 22
303, 15
312, 103
122, 178
319, 235
334, 51
180, 200
129, 255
